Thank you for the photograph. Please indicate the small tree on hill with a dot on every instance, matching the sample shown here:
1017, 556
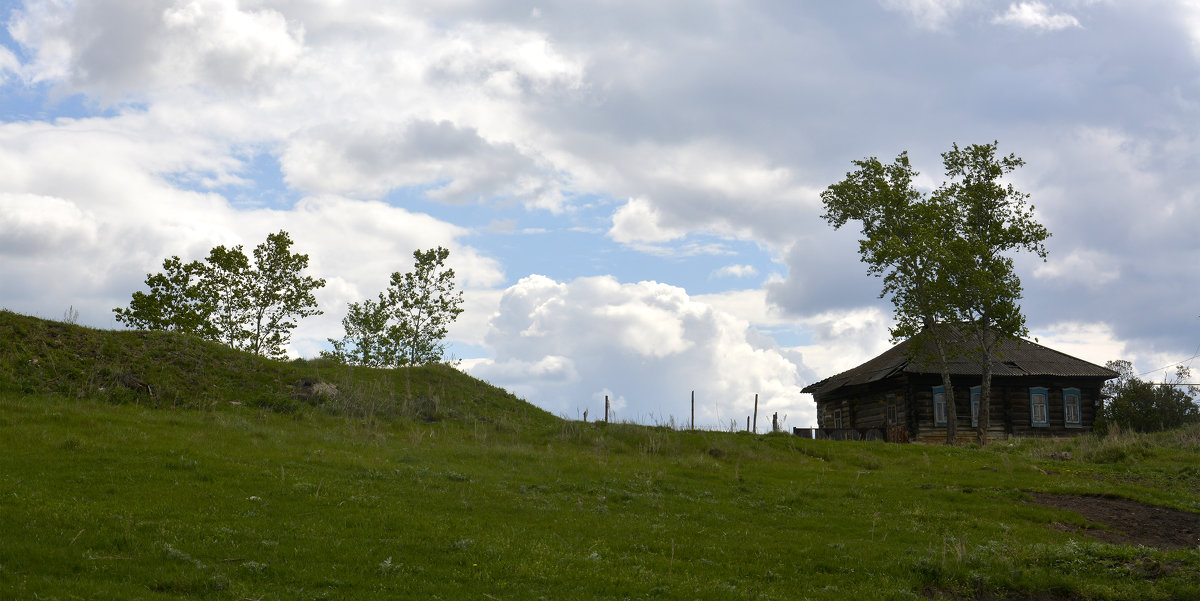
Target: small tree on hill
178, 301
407, 324
367, 340
248, 306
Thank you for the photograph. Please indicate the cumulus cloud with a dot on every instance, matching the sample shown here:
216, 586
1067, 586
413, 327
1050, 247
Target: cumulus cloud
455, 164
639, 221
691, 187
735, 271
1036, 15
122, 50
566, 344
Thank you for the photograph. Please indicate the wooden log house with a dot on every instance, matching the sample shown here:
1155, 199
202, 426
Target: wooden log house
1036, 391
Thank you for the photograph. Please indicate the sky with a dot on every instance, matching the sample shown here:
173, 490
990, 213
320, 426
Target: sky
630, 191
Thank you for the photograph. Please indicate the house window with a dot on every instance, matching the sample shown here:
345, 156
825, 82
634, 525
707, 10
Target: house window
976, 393
1038, 407
892, 409
1072, 416
939, 406
837, 418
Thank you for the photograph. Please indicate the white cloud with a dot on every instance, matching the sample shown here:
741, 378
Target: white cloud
564, 345
34, 224
928, 14
842, 339
123, 50
455, 164
9, 65
1082, 268
750, 305
691, 188
638, 221
735, 271
1093, 342
1036, 15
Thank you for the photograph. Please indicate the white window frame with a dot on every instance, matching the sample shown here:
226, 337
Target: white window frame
1036, 405
939, 406
893, 410
837, 419
976, 395
1072, 408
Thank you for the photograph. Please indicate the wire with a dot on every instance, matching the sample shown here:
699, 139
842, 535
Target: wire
1173, 364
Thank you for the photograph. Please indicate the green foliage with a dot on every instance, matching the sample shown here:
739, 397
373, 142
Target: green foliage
990, 220
408, 322
251, 307
179, 300
1131, 403
368, 340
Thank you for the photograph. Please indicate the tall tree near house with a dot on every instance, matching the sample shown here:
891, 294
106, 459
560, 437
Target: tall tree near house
992, 220
408, 323
943, 257
904, 242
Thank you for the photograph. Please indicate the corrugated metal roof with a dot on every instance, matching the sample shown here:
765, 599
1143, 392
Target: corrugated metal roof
1015, 357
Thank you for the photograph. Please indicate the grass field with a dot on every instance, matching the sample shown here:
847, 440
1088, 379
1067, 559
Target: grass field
218, 483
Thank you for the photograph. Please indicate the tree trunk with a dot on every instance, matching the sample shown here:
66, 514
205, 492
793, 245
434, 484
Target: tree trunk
951, 413
985, 400
987, 344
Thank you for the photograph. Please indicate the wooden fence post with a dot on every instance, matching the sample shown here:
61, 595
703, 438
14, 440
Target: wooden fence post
747, 423
606, 408
693, 422
756, 413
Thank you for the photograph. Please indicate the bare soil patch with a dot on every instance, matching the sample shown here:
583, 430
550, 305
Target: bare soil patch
1128, 521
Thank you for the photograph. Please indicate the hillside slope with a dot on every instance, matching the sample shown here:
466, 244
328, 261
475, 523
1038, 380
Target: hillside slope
146, 466
170, 369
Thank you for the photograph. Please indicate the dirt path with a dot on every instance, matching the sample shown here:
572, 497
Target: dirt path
1130, 522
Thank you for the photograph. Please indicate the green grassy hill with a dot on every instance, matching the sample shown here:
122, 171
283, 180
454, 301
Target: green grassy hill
167, 369
152, 466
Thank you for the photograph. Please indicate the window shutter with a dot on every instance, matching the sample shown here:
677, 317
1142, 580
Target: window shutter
976, 395
1038, 407
939, 405
1072, 414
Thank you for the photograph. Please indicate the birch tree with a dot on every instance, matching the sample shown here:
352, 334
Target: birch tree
904, 242
993, 220
944, 257
250, 306
408, 322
